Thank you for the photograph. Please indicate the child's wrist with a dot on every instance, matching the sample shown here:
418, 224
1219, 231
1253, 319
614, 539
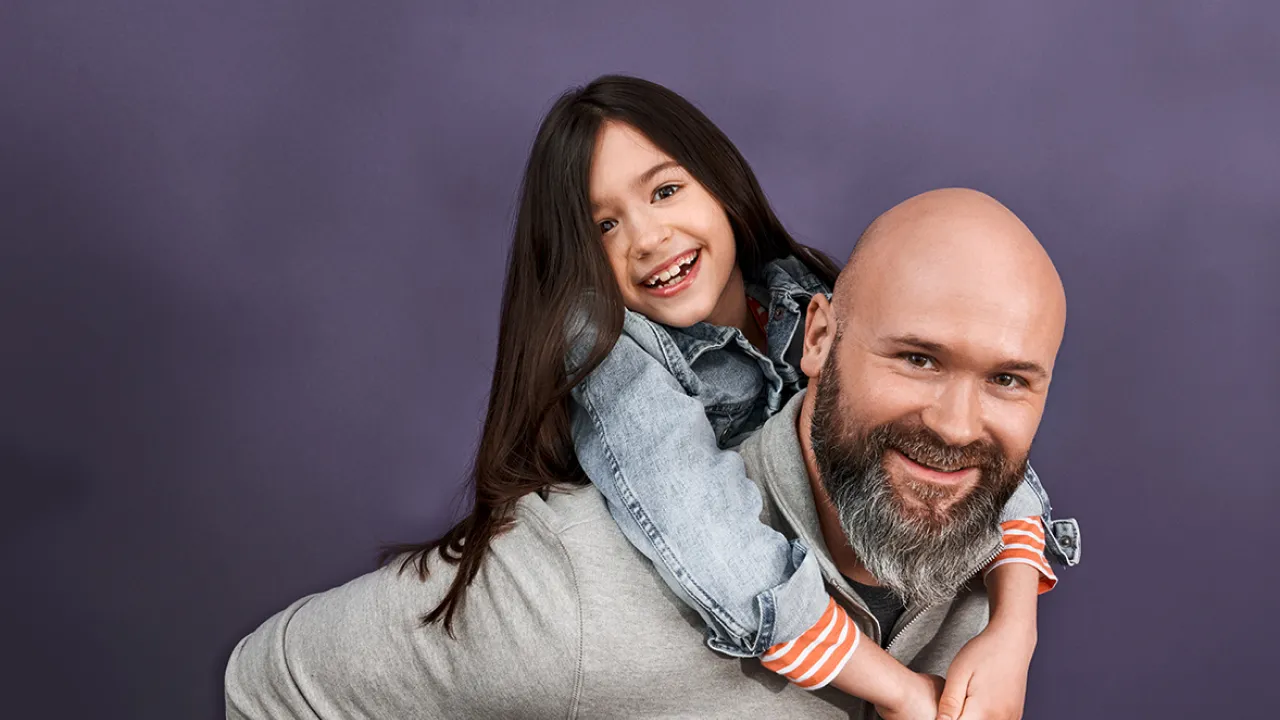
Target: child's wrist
882, 681
1018, 628
910, 690
1013, 614
1012, 590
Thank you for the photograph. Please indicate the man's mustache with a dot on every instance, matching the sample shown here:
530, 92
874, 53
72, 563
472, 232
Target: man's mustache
925, 447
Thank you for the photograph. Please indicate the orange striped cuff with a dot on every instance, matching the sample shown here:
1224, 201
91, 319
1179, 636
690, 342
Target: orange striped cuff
816, 657
1023, 543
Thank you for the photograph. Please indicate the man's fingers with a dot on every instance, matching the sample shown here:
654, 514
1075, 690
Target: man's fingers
951, 704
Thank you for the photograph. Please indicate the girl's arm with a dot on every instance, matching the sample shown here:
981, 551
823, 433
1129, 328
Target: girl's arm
988, 677
646, 443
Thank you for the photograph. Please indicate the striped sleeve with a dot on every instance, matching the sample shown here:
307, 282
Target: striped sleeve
1023, 543
816, 657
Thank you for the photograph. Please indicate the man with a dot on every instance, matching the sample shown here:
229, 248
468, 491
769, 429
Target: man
928, 371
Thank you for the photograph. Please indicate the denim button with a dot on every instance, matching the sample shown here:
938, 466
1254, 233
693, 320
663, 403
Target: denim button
1068, 541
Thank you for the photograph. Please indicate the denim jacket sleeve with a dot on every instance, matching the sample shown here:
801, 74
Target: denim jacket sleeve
1062, 537
644, 440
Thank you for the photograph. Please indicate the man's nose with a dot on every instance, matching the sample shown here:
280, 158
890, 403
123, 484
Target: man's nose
956, 415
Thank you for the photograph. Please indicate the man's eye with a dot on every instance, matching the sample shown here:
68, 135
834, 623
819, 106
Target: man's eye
1006, 380
665, 192
607, 225
920, 361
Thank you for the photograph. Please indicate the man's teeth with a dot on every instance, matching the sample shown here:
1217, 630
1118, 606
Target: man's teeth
672, 271
931, 467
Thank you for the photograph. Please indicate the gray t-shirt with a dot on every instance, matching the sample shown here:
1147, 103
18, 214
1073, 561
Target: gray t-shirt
565, 620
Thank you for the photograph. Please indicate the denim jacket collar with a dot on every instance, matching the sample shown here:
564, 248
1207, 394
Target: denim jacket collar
784, 288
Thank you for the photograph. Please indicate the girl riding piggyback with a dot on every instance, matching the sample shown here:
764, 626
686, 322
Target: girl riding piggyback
652, 320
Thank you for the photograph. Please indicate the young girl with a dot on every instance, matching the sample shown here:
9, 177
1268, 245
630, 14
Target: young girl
651, 321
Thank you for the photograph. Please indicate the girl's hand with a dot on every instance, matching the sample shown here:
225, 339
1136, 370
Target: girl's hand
988, 678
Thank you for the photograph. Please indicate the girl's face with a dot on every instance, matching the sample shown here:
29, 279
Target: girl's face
668, 240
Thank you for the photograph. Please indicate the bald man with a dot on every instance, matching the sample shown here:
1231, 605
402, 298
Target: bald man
928, 370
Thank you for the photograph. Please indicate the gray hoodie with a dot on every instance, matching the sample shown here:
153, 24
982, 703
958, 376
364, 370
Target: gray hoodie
565, 620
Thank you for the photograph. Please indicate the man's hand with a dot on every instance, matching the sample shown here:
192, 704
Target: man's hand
918, 700
988, 678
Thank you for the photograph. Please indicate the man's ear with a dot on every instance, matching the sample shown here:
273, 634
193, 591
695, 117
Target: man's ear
819, 331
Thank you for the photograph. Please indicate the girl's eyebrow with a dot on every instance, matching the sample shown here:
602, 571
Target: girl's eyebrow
648, 175
644, 179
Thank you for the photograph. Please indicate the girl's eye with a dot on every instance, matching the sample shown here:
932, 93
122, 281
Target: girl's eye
607, 225
665, 192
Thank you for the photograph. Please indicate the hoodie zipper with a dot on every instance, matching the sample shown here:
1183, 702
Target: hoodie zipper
896, 636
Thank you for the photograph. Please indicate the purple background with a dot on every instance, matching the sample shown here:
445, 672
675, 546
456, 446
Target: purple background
251, 265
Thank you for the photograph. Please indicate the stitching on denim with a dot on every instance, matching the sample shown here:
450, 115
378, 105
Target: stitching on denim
646, 525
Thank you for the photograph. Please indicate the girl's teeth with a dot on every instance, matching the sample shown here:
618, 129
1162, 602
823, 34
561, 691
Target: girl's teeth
675, 269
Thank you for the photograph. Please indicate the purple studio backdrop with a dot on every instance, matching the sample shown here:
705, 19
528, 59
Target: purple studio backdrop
251, 257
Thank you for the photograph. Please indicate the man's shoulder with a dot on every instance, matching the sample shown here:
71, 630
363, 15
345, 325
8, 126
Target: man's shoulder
535, 553
558, 599
520, 620
563, 508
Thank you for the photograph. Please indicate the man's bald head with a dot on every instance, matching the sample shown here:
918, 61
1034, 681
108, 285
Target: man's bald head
929, 371
958, 237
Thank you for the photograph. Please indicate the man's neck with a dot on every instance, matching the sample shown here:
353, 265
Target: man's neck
828, 517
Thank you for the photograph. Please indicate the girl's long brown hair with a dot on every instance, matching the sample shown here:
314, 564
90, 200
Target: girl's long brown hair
557, 266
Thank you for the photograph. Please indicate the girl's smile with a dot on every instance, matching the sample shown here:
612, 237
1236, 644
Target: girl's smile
674, 277
668, 240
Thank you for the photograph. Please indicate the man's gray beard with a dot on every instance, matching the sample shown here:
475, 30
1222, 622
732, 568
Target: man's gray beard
924, 556
921, 562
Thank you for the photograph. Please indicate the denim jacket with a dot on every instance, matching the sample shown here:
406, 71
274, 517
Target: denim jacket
653, 425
